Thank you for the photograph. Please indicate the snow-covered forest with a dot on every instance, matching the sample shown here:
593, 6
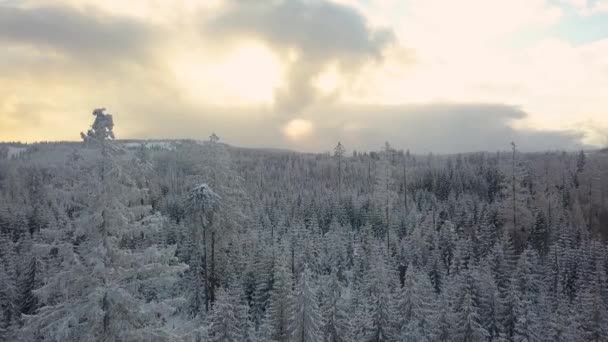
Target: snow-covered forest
108, 240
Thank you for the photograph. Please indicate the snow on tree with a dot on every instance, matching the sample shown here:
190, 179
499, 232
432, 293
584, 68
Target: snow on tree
443, 322
102, 128
336, 327
278, 313
27, 285
305, 319
108, 289
516, 209
384, 195
223, 322
415, 308
339, 152
378, 303
93, 244
527, 284
9, 311
202, 203
592, 313
468, 322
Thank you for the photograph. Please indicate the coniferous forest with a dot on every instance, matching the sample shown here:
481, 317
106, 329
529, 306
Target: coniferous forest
113, 240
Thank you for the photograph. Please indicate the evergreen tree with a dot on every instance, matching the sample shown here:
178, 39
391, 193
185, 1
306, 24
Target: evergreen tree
336, 327
443, 322
109, 287
27, 285
468, 322
379, 304
305, 318
539, 237
593, 313
415, 309
280, 303
223, 322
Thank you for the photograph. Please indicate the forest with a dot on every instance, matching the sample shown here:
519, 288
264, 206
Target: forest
184, 240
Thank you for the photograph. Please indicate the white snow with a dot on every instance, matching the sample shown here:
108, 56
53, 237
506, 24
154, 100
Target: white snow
15, 151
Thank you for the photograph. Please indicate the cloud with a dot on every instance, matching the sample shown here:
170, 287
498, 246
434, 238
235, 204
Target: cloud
422, 128
435, 127
588, 7
311, 34
86, 36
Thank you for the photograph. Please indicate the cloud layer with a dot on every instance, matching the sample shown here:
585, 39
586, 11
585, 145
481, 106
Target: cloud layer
438, 128
83, 35
312, 34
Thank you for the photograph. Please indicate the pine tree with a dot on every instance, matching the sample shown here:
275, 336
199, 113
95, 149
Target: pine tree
263, 283
27, 285
305, 318
593, 313
223, 322
489, 302
539, 237
203, 203
415, 307
468, 322
379, 304
280, 304
336, 327
383, 194
581, 161
443, 321
515, 210
9, 310
527, 283
561, 326
113, 284
339, 152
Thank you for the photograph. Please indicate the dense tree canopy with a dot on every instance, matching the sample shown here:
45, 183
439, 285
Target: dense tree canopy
201, 241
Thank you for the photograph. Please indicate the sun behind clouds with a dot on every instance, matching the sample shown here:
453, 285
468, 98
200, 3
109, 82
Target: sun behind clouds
298, 129
247, 74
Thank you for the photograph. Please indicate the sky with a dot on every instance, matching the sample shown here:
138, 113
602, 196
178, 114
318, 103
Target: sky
426, 75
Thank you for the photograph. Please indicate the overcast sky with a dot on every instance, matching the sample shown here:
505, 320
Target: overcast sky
428, 75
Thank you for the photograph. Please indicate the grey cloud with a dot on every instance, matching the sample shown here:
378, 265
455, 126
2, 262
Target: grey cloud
441, 128
437, 128
320, 31
78, 34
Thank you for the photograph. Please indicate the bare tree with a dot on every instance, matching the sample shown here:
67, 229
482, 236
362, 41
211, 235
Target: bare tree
203, 203
339, 152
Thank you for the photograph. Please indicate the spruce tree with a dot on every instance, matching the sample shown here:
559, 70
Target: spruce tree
305, 319
223, 322
336, 327
280, 303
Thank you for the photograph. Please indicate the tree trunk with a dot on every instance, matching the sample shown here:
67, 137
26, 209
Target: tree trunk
293, 266
388, 231
339, 178
434, 210
404, 186
212, 275
105, 307
513, 192
204, 264
388, 203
